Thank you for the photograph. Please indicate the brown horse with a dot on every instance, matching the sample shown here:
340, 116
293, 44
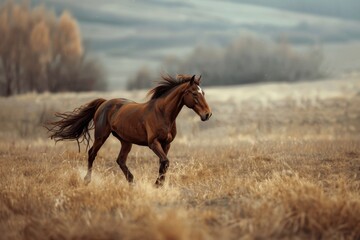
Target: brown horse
149, 124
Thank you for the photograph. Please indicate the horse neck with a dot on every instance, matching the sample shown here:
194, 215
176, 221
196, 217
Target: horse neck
172, 104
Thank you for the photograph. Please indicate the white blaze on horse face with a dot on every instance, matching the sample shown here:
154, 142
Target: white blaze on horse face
199, 89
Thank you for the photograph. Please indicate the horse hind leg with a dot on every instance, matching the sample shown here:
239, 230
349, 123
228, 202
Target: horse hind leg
121, 160
99, 141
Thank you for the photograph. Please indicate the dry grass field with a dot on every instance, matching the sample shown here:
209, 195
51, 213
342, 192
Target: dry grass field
276, 161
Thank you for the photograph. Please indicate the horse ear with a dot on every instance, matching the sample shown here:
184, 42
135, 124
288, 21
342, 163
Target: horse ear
199, 80
192, 80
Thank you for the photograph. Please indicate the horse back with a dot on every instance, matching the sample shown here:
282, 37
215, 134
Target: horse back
108, 109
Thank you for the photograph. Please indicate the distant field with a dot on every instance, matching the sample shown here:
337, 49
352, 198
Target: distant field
275, 161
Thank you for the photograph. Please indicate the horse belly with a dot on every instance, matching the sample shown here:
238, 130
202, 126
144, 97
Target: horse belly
133, 135
130, 131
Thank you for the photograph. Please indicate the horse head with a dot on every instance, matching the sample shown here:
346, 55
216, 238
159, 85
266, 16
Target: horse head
194, 98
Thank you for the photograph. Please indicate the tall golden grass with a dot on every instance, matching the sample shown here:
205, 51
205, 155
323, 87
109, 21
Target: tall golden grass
280, 164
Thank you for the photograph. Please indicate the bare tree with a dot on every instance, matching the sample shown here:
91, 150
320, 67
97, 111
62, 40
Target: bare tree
5, 52
39, 52
68, 38
246, 60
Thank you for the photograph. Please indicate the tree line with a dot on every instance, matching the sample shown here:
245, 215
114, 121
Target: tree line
246, 60
42, 52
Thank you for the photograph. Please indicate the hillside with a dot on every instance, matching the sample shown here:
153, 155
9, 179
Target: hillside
130, 34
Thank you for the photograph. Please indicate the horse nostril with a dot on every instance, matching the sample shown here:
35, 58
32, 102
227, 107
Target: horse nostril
208, 115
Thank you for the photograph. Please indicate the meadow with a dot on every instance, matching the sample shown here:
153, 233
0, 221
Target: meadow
276, 161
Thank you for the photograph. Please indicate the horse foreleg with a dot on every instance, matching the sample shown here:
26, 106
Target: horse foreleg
164, 161
121, 160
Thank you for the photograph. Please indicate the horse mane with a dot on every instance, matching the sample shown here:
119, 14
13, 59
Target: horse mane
166, 84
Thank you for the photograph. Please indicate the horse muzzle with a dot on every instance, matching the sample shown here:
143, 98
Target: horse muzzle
205, 117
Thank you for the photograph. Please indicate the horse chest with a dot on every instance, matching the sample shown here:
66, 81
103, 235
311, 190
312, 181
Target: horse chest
165, 135
169, 137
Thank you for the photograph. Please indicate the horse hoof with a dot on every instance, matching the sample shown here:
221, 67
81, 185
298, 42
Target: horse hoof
132, 184
87, 180
159, 184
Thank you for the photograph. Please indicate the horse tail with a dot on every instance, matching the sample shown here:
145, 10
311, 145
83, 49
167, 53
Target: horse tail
75, 125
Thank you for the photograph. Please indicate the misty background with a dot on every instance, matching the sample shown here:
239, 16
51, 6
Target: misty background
153, 37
